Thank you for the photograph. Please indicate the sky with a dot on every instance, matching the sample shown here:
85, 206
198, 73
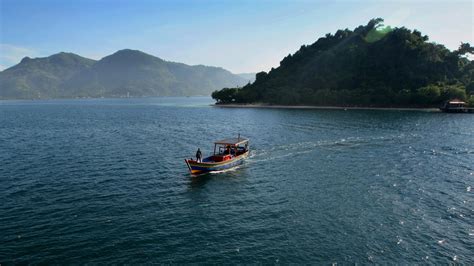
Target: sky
239, 35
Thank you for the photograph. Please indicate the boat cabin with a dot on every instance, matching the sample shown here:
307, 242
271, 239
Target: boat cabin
228, 153
226, 149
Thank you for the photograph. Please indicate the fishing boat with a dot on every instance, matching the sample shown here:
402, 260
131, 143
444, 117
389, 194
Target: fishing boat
228, 153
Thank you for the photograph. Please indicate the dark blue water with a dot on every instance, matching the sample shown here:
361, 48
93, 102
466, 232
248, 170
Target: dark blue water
105, 181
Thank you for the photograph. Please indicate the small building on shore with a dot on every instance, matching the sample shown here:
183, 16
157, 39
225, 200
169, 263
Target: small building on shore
455, 106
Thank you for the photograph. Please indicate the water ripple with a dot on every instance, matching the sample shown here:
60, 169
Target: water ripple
104, 181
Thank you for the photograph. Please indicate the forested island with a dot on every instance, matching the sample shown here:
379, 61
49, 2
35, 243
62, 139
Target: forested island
371, 66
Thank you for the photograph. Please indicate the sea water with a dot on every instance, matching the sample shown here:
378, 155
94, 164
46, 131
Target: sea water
104, 181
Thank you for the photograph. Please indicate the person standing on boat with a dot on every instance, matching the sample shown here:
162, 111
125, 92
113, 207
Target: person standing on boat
199, 156
227, 149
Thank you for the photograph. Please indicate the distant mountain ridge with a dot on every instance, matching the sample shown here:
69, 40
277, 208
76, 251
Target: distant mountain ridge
124, 73
34, 78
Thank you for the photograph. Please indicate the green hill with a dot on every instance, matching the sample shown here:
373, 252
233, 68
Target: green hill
41, 77
371, 65
126, 72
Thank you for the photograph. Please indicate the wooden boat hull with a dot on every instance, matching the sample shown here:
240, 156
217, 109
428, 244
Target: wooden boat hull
211, 166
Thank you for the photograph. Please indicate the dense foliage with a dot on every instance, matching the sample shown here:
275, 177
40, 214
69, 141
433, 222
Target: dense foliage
40, 77
372, 65
126, 72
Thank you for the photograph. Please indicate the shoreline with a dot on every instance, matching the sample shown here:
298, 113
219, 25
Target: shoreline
316, 107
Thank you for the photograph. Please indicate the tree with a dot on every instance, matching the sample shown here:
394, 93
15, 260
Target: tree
261, 76
453, 92
471, 101
226, 95
429, 94
465, 48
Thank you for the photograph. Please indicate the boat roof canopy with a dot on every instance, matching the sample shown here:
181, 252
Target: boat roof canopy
456, 101
232, 141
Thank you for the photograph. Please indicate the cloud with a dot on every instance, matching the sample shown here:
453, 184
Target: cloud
11, 54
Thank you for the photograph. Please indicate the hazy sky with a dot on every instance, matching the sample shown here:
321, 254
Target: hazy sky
239, 35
